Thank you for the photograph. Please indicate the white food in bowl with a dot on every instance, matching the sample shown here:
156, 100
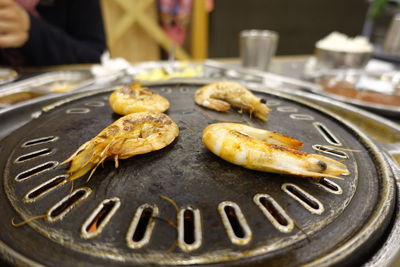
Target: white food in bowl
342, 43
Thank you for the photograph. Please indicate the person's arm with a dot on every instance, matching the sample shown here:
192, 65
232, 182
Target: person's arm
71, 33
14, 24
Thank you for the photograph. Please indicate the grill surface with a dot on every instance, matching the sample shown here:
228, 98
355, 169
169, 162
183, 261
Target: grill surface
226, 214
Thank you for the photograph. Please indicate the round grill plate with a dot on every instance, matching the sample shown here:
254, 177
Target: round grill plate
223, 213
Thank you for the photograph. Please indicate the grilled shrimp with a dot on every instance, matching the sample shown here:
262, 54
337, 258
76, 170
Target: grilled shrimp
212, 96
133, 134
267, 151
134, 98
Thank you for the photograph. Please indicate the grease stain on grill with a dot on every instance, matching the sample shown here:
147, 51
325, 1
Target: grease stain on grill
189, 229
65, 205
142, 226
309, 202
39, 141
274, 213
100, 217
327, 134
46, 187
77, 110
94, 104
235, 223
36, 170
287, 109
330, 151
33, 155
329, 186
301, 117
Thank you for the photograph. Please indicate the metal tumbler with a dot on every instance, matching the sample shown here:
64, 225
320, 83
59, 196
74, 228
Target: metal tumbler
257, 47
392, 40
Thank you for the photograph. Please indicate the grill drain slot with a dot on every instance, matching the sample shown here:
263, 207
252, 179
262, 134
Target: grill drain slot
287, 109
272, 103
235, 223
189, 229
100, 217
77, 111
33, 155
61, 208
39, 141
94, 104
327, 134
142, 226
330, 186
302, 117
45, 188
274, 212
331, 151
309, 202
36, 170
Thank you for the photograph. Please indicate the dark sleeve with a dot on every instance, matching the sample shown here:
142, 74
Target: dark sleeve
69, 33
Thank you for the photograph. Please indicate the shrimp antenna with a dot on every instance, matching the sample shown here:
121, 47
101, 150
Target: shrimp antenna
171, 201
301, 230
215, 119
190, 129
72, 187
27, 220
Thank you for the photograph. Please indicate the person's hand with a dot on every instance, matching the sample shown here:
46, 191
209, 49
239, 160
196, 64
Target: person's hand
14, 24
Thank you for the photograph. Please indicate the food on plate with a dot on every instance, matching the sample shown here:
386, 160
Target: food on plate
337, 41
170, 72
267, 151
62, 87
17, 97
134, 98
350, 90
220, 96
133, 134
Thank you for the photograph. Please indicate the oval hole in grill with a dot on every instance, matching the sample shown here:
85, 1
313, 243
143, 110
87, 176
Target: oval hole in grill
45, 188
188, 226
330, 186
235, 223
166, 90
39, 141
33, 155
94, 104
287, 109
302, 117
272, 103
141, 226
274, 212
327, 134
36, 170
77, 111
184, 90
96, 222
331, 151
64, 206
304, 198
189, 229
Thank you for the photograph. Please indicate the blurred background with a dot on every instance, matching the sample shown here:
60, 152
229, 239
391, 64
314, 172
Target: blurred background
211, 28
